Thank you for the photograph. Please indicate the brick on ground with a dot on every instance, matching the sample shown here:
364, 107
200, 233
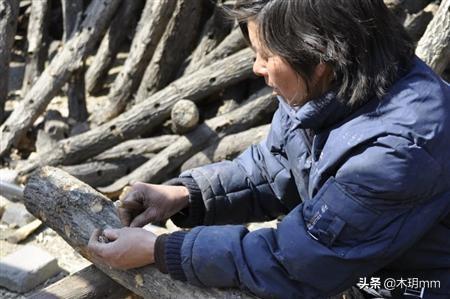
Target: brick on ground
26, 268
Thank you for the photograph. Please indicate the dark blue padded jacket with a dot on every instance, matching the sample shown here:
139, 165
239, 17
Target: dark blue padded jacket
365, 192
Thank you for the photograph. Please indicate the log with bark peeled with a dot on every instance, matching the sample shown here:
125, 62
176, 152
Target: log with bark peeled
159, 167
434, 46
37, 43
57, 73
149, 114
74, 209
9, 9
174, 46
153, 21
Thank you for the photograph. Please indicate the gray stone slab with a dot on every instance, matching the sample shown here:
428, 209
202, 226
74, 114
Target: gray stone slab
26, 268
16, 214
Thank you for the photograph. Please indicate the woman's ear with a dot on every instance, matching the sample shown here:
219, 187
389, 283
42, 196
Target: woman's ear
323, 74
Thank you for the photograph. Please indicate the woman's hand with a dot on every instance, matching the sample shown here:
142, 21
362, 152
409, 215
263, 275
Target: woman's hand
146, 203
123, 248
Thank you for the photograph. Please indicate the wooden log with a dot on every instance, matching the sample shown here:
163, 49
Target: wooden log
154, 19
184, 116
173, 48
416, 24
233, 43
37, 38
159, 167
74, 209
214, 31
57, 73
88, 283
72, 11
103, 173
434, 46
120, 27
149, 114
9, 10
227, 148
136, 147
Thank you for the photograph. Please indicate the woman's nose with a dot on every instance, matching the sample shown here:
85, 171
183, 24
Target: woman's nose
259, 67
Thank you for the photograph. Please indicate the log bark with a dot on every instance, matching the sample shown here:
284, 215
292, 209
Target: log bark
9, 10
155, 17
136, 147
173, 48
72, 11
88, 283
416, 24
103, 173
37, 37
57, 73
214, 31
74, 210
149, 114
434, 46
227, 148
117, 33
159, 167
231, 44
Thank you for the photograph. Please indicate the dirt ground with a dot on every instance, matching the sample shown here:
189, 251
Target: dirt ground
68, 259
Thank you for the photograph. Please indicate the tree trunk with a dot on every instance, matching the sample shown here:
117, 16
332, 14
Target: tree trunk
434, 46
227, 148
57, 73
214, 31
148, 114
74, 210
37, 38
151, 27
9, 9
136, 147
173, 48
117, 33
72, 11
103, 173
231, 44
159, 167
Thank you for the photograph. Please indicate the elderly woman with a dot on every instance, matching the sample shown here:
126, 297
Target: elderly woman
357, 159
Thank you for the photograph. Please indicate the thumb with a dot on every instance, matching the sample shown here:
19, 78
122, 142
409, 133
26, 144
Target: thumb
140, 220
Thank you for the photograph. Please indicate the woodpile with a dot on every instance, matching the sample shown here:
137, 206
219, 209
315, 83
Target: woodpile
115, 92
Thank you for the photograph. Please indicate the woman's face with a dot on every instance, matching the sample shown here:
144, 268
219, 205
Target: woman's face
278, 73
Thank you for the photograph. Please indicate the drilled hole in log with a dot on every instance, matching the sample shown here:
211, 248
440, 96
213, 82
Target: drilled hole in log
52, 130
156, 105
112, 128
130, 149
31, 102
6, 129
212, 80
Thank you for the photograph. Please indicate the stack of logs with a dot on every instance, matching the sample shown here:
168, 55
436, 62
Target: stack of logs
184, 96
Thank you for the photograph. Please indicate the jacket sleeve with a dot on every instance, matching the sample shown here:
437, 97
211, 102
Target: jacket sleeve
252, 187
378, 204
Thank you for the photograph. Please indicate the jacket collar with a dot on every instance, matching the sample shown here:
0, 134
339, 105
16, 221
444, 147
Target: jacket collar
317, 114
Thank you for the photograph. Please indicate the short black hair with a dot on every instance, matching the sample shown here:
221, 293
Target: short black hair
363, 42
